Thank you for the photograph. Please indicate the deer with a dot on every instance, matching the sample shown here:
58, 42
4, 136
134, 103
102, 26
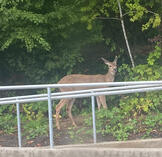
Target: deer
82, 78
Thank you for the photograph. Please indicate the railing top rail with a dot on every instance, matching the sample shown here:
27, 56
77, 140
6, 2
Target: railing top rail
81, 91
116, 92
100, 84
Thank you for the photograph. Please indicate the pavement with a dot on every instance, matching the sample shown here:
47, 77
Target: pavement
136, 148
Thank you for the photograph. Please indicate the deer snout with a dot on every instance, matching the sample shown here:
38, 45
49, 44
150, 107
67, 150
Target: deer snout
115, 69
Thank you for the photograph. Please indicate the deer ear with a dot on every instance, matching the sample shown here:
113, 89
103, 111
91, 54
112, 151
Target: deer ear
105, 61
115, 60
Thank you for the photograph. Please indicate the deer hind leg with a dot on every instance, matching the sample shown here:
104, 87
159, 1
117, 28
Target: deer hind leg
103, 101
69, 107
98, 102
58, 109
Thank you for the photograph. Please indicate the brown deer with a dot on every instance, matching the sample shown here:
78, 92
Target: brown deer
80, 78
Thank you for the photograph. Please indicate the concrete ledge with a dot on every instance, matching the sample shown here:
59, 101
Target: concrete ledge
148, 143
81, 152
143, 148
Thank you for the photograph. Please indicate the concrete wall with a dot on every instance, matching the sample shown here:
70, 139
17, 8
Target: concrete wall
141, 148
149, 143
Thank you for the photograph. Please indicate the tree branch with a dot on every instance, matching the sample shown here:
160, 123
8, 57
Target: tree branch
108, 18
136, 11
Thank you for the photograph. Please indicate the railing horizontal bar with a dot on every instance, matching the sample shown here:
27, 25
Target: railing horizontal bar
100, 84
87, 95
80, 91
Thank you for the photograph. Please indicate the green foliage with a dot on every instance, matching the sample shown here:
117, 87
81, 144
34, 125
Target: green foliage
152, 122
134, 8
144, 103
47, 29
35, 119
8, 120
36, 25
20, 23
137, 12
8, 123
150, 71
156, 54
113, 122
154, 21
120, 125
36, 128
35, 111
136, 104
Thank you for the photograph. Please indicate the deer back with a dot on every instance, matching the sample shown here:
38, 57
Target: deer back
81, 78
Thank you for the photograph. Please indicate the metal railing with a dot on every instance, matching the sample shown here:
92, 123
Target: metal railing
109, 88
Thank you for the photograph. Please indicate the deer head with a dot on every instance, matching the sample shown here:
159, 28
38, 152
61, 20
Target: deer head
112, 65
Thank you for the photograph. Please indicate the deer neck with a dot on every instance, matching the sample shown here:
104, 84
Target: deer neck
110, 76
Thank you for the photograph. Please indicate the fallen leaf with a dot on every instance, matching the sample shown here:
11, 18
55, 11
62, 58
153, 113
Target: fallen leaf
30, 142
38, 145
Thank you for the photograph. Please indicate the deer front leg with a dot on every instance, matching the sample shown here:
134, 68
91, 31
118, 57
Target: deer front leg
69, 107
98, 102
102, 99
58, 109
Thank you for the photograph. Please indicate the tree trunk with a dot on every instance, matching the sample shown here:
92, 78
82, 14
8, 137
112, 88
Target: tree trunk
125, 35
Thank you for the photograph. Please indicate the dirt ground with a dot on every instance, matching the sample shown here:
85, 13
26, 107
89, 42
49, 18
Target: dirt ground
67, 135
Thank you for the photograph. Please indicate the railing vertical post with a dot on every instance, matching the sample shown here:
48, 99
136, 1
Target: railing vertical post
93, 117
50, 117
18, 123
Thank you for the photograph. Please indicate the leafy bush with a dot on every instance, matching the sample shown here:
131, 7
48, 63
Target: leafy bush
113, 122
8, 123
151, 122
137, 104
35, 128
35, 119
8, 120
